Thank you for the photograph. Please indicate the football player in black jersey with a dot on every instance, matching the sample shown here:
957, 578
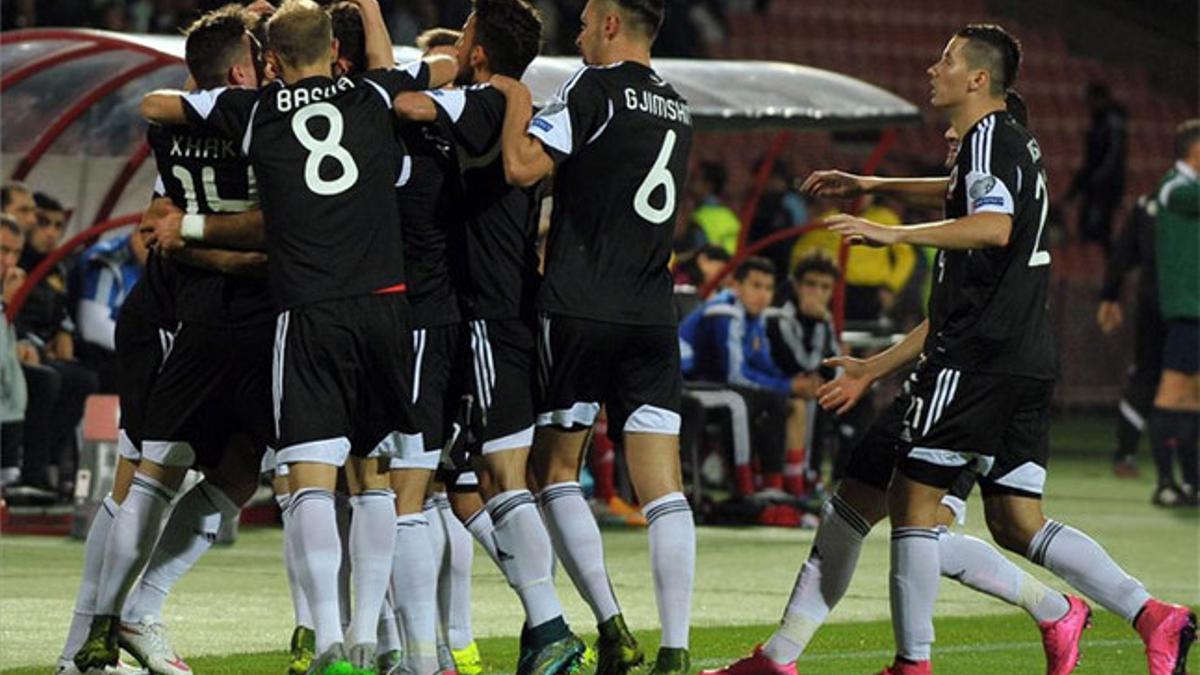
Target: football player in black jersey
501, 37
983, 394
343, 358
617, 137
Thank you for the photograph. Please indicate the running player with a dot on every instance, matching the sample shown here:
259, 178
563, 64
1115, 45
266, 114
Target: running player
342, 371
617, 138
982, 397
501, 37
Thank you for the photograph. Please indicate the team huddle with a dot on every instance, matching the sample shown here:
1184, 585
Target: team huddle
345, 291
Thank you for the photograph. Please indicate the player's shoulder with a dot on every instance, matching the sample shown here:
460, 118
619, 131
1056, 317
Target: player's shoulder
589, 78
998, 137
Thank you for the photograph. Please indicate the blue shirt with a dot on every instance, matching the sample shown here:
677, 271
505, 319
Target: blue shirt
720, 342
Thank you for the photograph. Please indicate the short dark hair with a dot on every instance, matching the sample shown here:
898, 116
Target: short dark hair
1187, 134
213, 44
715, 252
510, 31
7, 222
646, 15
995, 50
350, 34
815, 263
7, 189
715, 175
438, 37
1016, 107
47, 202
754, 264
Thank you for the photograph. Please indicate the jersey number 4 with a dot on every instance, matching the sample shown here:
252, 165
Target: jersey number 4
321, 148
659, 176
1040, 256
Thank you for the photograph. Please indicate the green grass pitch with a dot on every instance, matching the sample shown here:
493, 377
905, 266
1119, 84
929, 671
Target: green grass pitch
232, 614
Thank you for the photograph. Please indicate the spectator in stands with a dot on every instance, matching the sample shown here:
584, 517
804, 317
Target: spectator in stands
780, 208
106, 273
1175, 426
1100, 182
1134, 249
801, 336
16, 200
718, 222
58, 385
12, 381
725, 342
701, 266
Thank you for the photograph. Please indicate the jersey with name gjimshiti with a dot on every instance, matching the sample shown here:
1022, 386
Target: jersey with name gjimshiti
989, 309
620, 137
203, 172
500, 221
326, 167
429, 196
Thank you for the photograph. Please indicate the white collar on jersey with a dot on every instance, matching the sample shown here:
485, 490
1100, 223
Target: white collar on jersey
1185, 169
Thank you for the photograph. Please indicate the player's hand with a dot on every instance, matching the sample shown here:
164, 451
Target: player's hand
14, 277
1109, 317
28, 354
862, 231
165, 221
833, 184
806, 385
845, 391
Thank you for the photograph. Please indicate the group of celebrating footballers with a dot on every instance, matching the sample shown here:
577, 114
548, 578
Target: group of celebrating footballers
345, 284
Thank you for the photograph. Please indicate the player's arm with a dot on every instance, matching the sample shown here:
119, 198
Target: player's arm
412, 106
378, 43
164, 106
839, 184
525, 159
173, 229
240, 263
979, 230
857, 375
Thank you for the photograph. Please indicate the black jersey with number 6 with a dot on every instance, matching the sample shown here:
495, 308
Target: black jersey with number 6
620, 137
204, 172
326, 164
989, 309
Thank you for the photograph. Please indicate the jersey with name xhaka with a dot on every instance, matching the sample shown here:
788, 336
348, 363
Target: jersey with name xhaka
326, 177
203, 172
620, 137
989, 308
500, 221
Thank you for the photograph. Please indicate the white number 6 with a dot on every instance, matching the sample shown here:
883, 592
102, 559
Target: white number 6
658, 175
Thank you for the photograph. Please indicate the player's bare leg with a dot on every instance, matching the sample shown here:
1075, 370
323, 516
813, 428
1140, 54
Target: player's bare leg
414, 570
556, 463
1018, 524
654, 470
372, 546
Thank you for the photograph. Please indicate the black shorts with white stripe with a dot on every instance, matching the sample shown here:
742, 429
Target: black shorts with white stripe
503, 381
631, 369
342, 379
440, 365
998, 424
141, 347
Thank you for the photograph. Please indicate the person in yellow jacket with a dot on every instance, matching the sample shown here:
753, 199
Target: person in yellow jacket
718, 222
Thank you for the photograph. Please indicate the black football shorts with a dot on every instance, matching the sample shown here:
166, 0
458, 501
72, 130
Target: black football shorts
141, 346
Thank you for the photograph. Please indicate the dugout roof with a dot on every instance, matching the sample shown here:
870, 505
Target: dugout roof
69, 98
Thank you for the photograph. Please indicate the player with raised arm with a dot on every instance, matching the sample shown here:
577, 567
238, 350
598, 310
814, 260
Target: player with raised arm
501, 37
982, 397
343, 358
617, 137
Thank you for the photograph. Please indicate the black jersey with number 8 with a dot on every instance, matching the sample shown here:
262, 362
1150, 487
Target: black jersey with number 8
620, 137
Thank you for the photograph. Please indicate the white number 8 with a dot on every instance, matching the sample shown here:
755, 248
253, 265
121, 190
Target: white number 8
658, 175
319, 149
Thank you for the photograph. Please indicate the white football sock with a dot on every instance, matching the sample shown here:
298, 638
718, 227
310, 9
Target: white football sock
978, 565
1083, 563
914, 587
93, 561
312, 529
480, 526
387, 636
414, 587
190, 531
131, 539
524, 550
300, 612
341, 505
577, 542
673, 561
822, 581
454, 580
372, 545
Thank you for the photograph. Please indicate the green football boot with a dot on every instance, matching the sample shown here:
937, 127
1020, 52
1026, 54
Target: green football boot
616, 648
671, 661
99, 650
468, 661
303, 650
557, 658
332, 662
